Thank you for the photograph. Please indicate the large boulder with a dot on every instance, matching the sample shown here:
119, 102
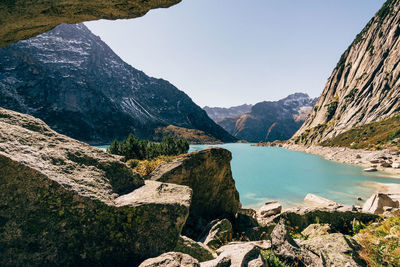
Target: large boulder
376, 203
336, 249
21, 19
217, 234
208, 173
171, 259
195, 249
66, 203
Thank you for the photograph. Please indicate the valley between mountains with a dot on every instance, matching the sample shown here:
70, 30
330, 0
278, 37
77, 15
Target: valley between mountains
148, 198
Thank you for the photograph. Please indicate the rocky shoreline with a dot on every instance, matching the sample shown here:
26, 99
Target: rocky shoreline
386, 161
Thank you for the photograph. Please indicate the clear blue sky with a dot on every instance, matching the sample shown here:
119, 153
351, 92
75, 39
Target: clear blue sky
230, 52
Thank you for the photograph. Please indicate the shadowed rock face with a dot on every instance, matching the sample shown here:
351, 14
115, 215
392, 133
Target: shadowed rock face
364, 86
63, 202
21, 19
208, 173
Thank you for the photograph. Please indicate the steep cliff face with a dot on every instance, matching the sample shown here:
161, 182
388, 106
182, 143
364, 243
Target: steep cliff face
270, 120
20, 19
64, 202
73, 81
364, 86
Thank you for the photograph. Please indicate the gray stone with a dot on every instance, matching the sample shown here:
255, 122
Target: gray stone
336, 249
269, 209
195, 249
376, 203
171, 259
314, 230
239, 254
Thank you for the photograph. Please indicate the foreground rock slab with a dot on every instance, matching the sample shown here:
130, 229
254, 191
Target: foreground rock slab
21, 19
66, 203
171, 259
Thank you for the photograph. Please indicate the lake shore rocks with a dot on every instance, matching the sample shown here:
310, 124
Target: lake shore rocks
382, 160
269, 209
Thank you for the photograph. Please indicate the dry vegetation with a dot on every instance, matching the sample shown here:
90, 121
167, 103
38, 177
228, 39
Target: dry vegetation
380, 242
145, 167
373, 136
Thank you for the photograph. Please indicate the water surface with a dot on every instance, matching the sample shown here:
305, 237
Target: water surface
271, 173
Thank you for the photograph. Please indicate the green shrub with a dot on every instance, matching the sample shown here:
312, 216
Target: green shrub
271, 259
133, 148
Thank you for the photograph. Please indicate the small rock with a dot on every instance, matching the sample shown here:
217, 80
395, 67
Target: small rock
372, 169
375, 161
386, 165
195, 249
171, 259
359, 198
237, 254
376, 203
269, 209
320, 201
396, 165
314, 230
358, 156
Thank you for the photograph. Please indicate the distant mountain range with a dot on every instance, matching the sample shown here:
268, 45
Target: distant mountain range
218, 114
72, 80
268, 120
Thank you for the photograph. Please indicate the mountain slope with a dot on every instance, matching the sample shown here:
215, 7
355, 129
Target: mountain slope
217, 113
73, 81
364, 86
270, 120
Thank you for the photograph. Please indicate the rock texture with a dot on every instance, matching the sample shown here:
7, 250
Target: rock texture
269, 209
270, 121
335, 249
66, 203
202, 171
364, 86
171, 259
21, 20
72, 80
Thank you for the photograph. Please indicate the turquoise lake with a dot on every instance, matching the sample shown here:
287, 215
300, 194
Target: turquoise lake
270, 173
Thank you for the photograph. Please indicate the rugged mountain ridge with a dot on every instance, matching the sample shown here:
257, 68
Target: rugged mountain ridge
270, 120
73, 81
364, 85
217, 113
